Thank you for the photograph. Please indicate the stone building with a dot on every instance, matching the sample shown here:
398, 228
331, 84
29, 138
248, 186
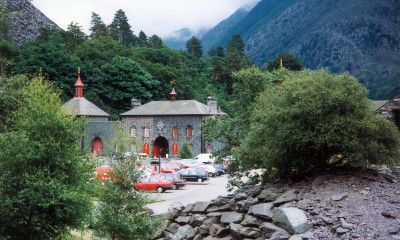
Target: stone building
161, 127
99, 130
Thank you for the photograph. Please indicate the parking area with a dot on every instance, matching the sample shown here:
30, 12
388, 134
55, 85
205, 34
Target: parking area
191, 193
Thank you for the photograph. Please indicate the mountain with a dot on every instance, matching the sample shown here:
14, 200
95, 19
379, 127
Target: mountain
358, 36
28, 21
177, 40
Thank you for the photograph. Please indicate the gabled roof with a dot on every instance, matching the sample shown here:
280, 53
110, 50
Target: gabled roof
83, 107
379, 103
168, 108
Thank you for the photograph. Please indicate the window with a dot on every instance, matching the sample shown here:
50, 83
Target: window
189, 131
175, 149
133, 131
146, 132
175, 132
191, 147
146, 148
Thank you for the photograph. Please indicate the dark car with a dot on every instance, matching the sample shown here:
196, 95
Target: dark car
176, 178
191, 174
221, 168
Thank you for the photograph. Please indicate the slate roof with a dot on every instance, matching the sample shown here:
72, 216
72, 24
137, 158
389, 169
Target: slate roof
171, 108
83, 107
379, 103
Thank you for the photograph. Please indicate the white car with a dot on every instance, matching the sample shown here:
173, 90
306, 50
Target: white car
212, 171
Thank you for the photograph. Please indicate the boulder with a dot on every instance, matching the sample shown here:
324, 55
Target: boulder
267, 196
173, 227
188, 208
214, 214
231, 217
223, 208
218, 231
262, 210
201, 207
251, 221
269, 229
292, 219
287, 196
197, 219
240, 232
185, 232
176, 206
215, 238
183, 219
339, 197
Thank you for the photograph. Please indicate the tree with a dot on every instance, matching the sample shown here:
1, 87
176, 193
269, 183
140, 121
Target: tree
98, 28
120, 29
220, 52
193, 46
212, 52
142, 38
8, 49
74, 37
237, 42
288, 61
185, 152
315, 120
122, 213
44, 179
155, 41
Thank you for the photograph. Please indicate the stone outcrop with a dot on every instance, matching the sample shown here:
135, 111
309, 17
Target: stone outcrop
28, 22
249, 213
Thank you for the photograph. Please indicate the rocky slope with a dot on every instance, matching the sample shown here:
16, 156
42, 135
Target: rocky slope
361, 37
27, 23
344, 204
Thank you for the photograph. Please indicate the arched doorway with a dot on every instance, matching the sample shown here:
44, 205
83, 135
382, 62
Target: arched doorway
160, 147
97, 146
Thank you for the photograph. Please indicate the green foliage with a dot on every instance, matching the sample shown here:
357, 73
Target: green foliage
8, 53
124, 79
288, 61
315, 120
74, 37
237, 43
121, 213
98, 28
120, 29
194, 47
43, 181
185, 152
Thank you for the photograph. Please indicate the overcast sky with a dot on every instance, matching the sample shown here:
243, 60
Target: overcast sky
159, 17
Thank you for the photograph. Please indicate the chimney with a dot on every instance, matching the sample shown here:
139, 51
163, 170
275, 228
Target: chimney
173, 95
135, 103
79, 85
212, 105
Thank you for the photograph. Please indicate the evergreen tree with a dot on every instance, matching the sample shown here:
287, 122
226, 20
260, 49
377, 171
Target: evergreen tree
98, 28
237, 42
212, 52
120, 29
194, 47
142, 38
220, 52
74, 37
185, 152
155, 41
8, 49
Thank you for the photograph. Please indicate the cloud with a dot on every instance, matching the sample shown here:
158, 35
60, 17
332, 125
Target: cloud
160, 17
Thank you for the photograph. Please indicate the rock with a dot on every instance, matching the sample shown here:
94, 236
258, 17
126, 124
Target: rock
188, 208
269, 229
218, 231
183, 219
197, 219
267, 196
198, 237
355, 235
251, 221
280, 236
240, 196
296, 237
341, 230
345, 224
201, 207
231, 217
214, 214
293, 220
339, 197
388, 214
287, 196
223, 208
240, 232
172, 228
327, 220
224, 238
262, 210
185, 232
176, 206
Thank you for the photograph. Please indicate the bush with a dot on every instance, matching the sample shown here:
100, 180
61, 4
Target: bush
185, 152
316, 120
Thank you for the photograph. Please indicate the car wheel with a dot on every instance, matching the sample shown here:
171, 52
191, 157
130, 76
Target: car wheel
200, 180
174, 187
210, 174
160, 189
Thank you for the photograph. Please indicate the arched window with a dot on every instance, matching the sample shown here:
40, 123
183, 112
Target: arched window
133, 132
97, 146
189, 131
175, 132
175, 149
146, 132
209, 148
146, 148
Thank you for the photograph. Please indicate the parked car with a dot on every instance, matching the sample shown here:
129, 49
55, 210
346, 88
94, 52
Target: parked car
221, 168
211, 171
103, 173
191, 174
176, 178
153, 184
163, 169
205, 158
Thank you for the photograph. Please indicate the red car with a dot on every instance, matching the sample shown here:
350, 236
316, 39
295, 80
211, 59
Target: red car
153, 184
103, 173
164, 169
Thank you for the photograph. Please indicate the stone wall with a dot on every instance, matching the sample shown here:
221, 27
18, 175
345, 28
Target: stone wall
102, 130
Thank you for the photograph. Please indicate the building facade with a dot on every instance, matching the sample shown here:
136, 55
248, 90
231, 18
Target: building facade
161, 127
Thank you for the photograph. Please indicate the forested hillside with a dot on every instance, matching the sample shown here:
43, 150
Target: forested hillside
361, 37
